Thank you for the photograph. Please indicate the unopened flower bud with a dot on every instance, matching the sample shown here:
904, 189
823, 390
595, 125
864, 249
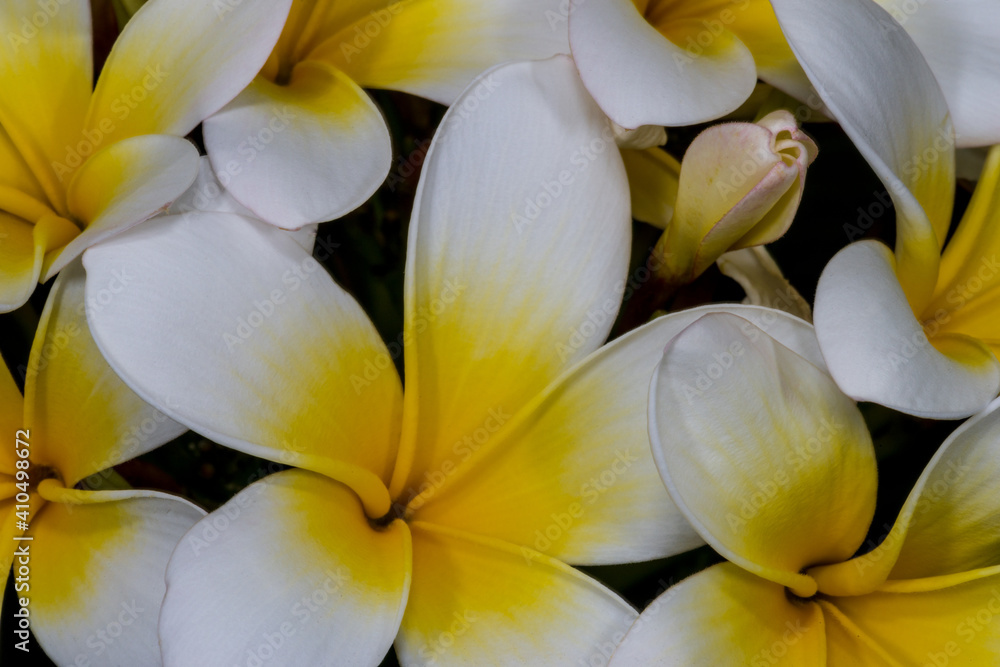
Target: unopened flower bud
740, 186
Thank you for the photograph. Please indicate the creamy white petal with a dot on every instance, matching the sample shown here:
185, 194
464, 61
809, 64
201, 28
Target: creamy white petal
308, 151
639, 77
572, 476
877, 350
770, 462
232, 329
877, 84
517, 255
97, 576
288, 572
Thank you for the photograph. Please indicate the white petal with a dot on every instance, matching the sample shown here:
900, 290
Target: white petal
770, 462
877, 350
517, 254
308, 151
232, 329
288, 571
176, 63
123, 185
639, 77
209, 195
97, 576
573, 476
877, 84
959, 40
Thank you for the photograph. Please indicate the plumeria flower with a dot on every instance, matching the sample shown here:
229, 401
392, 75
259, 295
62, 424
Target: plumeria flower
88, 563
656, 62
775, 469
304, 143
82, 163
441, 519
678, 63
913, 329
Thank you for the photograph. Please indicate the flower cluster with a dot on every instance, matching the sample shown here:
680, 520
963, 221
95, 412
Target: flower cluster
489, 476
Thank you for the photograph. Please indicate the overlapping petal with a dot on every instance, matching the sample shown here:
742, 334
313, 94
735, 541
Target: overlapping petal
724, 616
753, 442
178, 62
877, 84
325, 587
435, 48
83, 417
97, 576
761, 278
878, 351
21, 257
517, 256
965, 300
307, 151
954, 625
123, 185
640, 77
572, 475
15, 173
949, 525
473, 597
958, 39
262, 352
208, 195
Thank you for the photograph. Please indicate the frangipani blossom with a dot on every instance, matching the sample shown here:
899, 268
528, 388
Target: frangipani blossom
304, 143
80, 164
902, 330
667, 62
91, 567
441, 519
775, 469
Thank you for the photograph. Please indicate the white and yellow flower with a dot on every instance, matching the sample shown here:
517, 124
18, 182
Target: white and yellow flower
775, 469
79, 163
91, 569
441, 519
912, 330
304, 143
680, 62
